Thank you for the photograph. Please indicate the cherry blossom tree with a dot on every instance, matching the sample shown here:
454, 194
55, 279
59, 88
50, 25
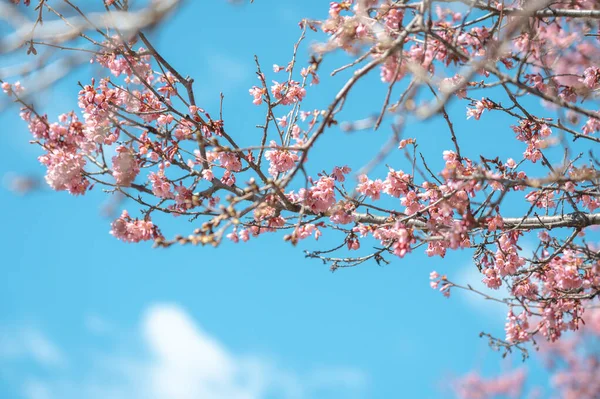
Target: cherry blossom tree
140, 133
573, 364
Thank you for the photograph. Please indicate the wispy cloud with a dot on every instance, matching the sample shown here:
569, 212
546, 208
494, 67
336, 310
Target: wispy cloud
33, 389
97, 325
232, 69
28, 342
180, 360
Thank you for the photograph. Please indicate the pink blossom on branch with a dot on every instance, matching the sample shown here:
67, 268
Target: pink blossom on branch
572, 367
125, 166
534, 68
133, 230
65, 171
280, 160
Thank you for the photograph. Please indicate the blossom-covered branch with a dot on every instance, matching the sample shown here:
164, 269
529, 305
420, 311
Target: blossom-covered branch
140, 133
572, 364
56, 30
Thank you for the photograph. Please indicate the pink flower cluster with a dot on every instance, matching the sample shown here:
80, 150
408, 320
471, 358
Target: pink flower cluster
572, 365
288, 92
161, 187
480, 106
125, 166
66, 146
10, 89
280, 160
474, 386
436, 280
370, 188
230, 161
65, 171
398, 237
591, 77
133, 230
320, 197
257, 93
95, 104
516, 327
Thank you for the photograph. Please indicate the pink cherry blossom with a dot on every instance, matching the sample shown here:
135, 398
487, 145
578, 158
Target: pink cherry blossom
133, 230
280, 160
161, 187
371, 188
125, 166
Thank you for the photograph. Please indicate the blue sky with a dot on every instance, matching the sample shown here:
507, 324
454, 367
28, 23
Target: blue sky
83, 315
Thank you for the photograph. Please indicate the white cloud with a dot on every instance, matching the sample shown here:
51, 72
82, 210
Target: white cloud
179, 360
188, 363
